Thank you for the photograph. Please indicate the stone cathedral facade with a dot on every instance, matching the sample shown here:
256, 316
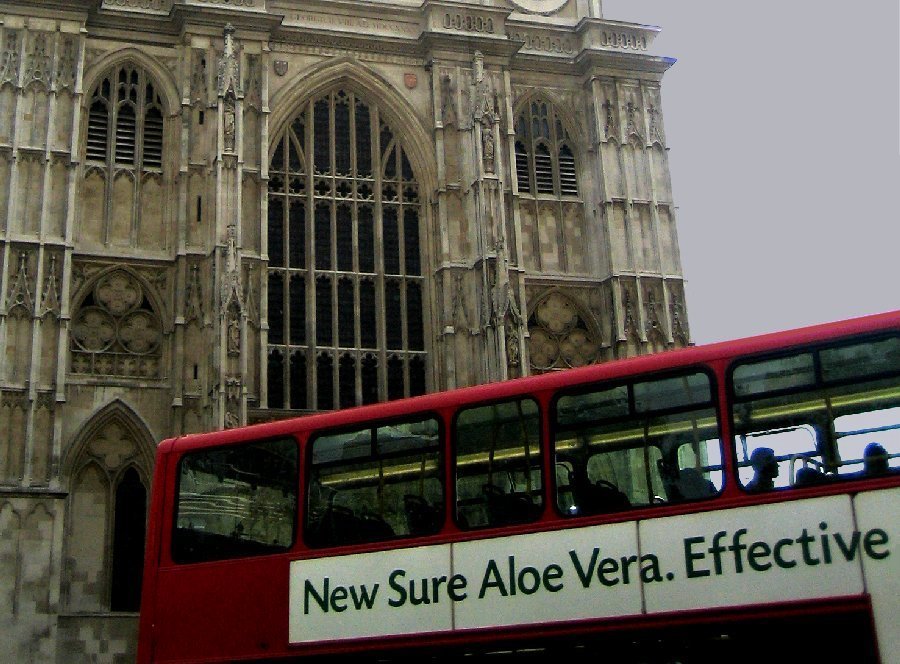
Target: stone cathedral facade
216, 212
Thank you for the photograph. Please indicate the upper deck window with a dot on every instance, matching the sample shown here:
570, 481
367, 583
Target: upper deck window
236, 501
498, 464
375, 483
816, 415
637, 444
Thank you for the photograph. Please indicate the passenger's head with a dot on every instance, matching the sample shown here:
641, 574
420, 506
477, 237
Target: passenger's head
764, 462
875, 459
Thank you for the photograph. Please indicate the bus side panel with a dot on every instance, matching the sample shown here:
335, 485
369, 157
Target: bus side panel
223, 610
149, 588
878, 521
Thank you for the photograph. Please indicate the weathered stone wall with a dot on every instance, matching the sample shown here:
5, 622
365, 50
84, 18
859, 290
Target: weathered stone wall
137, 146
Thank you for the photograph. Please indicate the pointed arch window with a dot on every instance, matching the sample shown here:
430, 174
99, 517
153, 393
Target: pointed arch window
107, 518
345, 282
545, 158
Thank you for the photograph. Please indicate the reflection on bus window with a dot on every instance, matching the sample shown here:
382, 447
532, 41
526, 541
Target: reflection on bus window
842, 421
374, 484
498, 464
236, 501
645, 443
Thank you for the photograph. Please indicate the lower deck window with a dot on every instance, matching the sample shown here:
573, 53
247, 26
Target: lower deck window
236, 501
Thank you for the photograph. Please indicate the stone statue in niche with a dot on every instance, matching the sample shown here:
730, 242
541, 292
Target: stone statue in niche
234, 333
448, 101
228, 132
487, 147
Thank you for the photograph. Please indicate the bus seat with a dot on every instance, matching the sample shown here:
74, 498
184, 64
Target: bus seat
602, 496
506, 508
690, 485
422, 517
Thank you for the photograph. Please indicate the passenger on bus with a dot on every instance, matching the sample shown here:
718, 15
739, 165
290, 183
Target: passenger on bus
875, 460
807, 476
765, 469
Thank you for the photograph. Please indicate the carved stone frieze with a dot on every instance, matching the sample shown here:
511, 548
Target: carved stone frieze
50, 303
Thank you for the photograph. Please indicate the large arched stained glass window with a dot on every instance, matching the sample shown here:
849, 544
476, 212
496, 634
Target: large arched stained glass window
345, 285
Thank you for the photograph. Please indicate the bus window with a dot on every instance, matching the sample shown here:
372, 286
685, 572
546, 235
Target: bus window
840, 421
375, 483
498, 464
236, 501
644, 443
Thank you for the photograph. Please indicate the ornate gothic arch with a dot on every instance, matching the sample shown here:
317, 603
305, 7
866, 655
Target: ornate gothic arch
364, 81
161, 76
563, 108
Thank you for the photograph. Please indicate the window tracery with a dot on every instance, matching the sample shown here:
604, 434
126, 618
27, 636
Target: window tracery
116, 331
545, 160
559, 336
345, 283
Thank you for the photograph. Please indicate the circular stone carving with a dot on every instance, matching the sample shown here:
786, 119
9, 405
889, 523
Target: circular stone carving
557, 314
539, 6
119, 293
578, 349
543, 349
139, 332
94, 329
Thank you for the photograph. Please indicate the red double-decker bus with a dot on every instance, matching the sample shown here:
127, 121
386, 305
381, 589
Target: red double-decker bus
730, 502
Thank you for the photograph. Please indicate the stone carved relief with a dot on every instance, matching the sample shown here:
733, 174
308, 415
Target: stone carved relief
19, 300
199, 91
249, 299
38, 67
559, 336
233, 326
228, 132
652, 322
484, 111
653, 117
679, 330
9, 64
632, 120
50, 304
253, 84
629, 323
233, 389
66, 66
610, 126
193, 297
115, 330
459, 315
228, 76
448, 100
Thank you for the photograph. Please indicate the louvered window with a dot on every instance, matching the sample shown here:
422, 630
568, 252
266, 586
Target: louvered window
340, 176
545, 162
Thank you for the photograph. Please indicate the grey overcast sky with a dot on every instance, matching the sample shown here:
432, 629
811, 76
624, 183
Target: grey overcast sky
782, 122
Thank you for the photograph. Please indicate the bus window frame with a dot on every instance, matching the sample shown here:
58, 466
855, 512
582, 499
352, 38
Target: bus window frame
306, 475
815, 348
635, 511
176, 495
534, 396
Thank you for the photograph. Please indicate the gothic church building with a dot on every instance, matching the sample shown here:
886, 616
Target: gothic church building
217, 212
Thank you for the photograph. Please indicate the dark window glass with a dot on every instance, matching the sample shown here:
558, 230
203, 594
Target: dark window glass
277, 163
295, 161
344, 238
323, 237
297, 240
415, 332
366, 231
416, 376
128, 543
298, 127
369, 379
236, 501
363, 140
498, 464
411, 241
346, 313
391, 240
347, 384
342, 133
276, 379
393, 314
324, 382
367, 325
649, 442
395, 377
861, 360
276, 307
405, 167
323, 311
276, 231
298, 309
376, 483
778, 374
321, 136
298, 379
